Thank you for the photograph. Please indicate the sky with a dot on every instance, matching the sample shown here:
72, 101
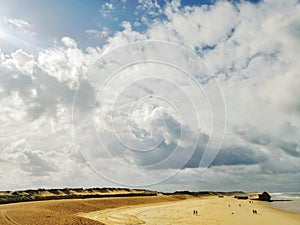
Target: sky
157, 94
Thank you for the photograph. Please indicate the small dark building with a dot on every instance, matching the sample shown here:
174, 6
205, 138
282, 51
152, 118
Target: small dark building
265, 196
241, 197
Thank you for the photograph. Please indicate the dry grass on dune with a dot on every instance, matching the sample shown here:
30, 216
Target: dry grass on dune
63, 211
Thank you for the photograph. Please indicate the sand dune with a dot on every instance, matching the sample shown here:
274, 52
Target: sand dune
70, 193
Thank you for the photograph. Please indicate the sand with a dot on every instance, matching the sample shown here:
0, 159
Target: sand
157, 210
55, 212
211, 210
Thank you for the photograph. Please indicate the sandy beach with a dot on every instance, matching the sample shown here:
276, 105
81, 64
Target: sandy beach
150, 210
211, 210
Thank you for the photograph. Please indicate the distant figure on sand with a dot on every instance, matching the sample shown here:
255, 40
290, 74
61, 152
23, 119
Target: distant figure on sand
254, 211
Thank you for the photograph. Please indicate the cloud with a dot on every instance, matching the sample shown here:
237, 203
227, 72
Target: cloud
69, 42
205, 21
20, 26
291, 148
66, 64
238, 155
37, 165
254, 136
108, 7
252, 50
149, 7
250, 53
36, 104
16, 23
287, 90
99, 33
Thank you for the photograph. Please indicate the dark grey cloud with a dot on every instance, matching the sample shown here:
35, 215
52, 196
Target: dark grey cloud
290, 148
253, 135
38, 164
238, 155
194, 161
229, 156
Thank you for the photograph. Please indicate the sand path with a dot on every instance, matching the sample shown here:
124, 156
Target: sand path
211, 210
7, 218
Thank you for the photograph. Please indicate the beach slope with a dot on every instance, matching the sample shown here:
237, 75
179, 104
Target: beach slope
210, 210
